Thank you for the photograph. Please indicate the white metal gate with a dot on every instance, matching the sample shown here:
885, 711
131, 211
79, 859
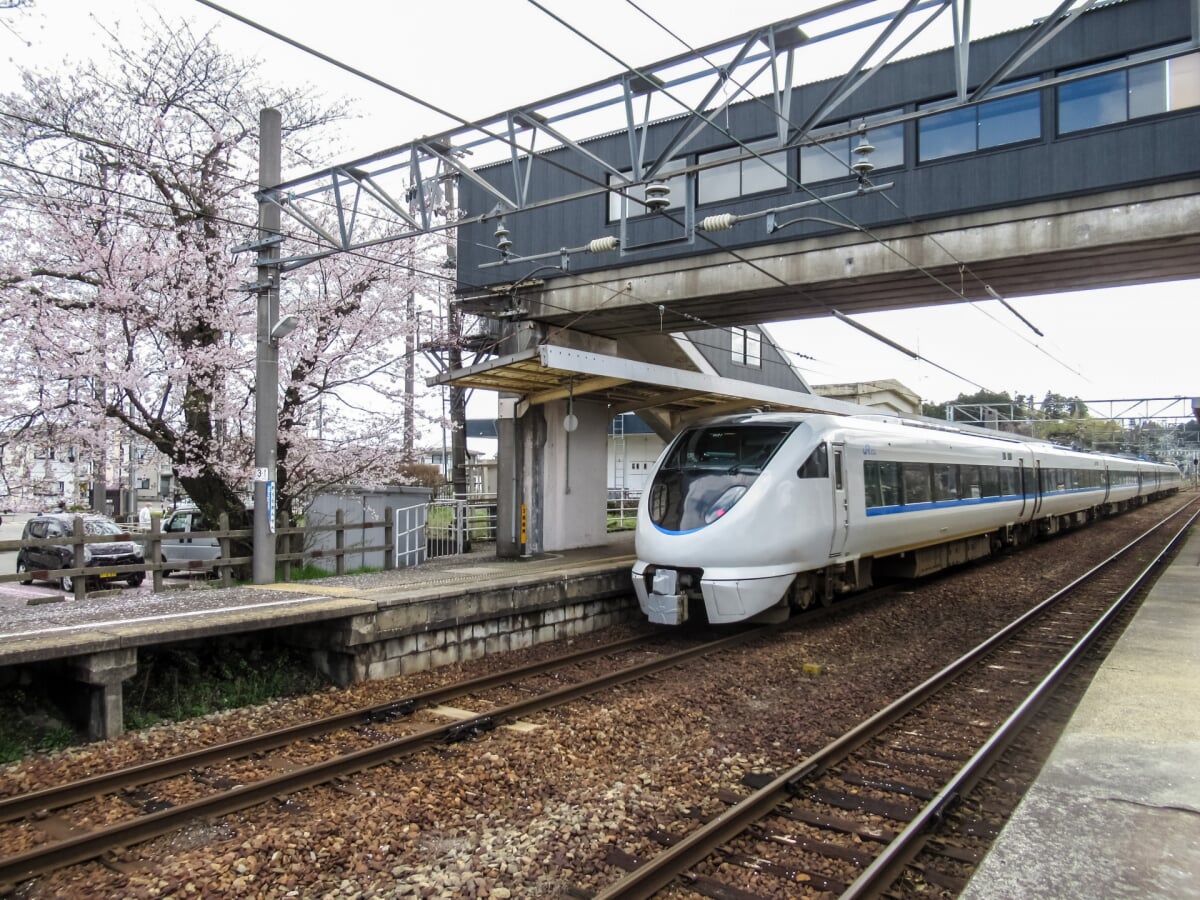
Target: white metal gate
446, 528
409, 528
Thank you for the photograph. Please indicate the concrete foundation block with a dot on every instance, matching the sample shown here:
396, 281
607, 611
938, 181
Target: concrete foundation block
446, 655
414, 662
385, 668
431, 640
472, 649
521, 639
498, 643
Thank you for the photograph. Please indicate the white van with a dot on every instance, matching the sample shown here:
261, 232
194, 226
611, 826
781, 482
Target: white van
178, 547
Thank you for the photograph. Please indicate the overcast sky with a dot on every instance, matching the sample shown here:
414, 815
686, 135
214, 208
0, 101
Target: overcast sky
474, 58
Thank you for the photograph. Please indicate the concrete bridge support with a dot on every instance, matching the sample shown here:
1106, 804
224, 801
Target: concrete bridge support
104, 673
553, 485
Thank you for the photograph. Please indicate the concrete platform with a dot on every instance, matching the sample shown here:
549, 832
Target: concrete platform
1115, 811
356, 627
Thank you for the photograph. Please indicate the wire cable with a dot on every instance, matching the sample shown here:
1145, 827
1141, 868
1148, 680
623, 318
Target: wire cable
963, 267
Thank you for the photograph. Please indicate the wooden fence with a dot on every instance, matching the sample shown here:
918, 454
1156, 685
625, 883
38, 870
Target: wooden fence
290, 550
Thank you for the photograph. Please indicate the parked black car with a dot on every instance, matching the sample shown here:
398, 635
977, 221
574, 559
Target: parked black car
50, 526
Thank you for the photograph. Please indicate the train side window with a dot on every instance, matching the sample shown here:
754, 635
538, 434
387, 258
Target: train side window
989, 481
837, 469
916, 483
945, 482
872, 496
889, 483
1012, 482
969, 487
817, 464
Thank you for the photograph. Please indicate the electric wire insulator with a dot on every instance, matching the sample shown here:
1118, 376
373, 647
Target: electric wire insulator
602, 244
723, 222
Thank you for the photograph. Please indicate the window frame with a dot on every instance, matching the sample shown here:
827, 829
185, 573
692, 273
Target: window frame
975, 117
767, 148
750, 352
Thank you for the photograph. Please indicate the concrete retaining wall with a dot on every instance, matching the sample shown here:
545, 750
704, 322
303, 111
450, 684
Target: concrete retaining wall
463, 624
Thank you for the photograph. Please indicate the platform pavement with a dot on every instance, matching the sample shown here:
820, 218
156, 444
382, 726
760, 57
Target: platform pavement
39, 622
355, 627
1115, 811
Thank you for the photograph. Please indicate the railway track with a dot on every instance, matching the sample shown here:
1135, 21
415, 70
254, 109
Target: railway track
850, 818
149, 816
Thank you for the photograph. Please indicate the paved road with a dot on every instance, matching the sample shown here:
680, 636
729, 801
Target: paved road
11, 591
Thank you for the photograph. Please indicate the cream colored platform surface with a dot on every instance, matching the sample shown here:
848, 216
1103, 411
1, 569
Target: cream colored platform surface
1115, 811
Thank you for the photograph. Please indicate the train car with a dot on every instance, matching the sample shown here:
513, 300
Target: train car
755, 515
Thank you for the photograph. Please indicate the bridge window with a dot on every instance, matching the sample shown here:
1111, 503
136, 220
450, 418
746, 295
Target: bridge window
1145, 90
747, 347
1008, 120
826, 160
630, 199
748, 176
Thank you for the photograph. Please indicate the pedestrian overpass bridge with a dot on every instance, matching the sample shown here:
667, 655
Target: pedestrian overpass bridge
1056, 157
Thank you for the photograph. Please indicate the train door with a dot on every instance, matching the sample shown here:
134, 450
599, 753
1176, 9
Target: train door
841, 504
1037, 486
1022, 486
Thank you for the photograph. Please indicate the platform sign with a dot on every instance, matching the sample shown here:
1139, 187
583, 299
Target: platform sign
271, 506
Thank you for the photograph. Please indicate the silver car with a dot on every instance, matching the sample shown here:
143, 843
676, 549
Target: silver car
179, 548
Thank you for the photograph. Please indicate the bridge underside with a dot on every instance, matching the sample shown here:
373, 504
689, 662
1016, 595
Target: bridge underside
1134, 236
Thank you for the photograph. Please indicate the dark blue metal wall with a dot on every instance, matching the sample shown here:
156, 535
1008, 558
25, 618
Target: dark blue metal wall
1141, 151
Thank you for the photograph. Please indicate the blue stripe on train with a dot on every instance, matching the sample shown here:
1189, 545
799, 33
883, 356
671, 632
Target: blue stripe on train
969, 501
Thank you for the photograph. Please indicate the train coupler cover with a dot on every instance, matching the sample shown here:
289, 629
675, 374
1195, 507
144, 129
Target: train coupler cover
665, 605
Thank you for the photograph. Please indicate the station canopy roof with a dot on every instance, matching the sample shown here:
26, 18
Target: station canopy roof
550, 372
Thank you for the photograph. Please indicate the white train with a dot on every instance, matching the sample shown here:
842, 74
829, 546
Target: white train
751, 516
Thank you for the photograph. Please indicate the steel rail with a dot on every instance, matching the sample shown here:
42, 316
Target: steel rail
22, 805
81, 848
660, 871
888, 865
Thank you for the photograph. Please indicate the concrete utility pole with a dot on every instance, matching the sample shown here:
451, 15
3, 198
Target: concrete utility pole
266, 377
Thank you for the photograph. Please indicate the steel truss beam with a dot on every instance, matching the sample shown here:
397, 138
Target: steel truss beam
355, 206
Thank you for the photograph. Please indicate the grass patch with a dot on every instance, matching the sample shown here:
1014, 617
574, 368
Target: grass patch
310, 572
179, 683
31, 722
172, 683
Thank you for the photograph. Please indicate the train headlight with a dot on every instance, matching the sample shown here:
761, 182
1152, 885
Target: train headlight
724, 503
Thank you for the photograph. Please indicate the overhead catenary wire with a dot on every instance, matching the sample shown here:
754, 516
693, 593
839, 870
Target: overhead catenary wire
346, 67
963, 267
710, 121
379, 82
251, 228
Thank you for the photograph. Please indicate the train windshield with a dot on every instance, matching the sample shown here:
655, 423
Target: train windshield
707, 470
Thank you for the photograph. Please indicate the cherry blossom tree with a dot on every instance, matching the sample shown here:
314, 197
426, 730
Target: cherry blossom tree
124, 187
